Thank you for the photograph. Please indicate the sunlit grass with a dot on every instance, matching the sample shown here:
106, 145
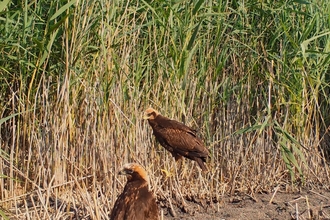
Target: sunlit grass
252, 78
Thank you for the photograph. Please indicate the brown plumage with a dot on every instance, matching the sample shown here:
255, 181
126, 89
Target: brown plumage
136, 201
177, 138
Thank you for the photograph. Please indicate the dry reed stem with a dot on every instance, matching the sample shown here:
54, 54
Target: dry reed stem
275, 191
83, 106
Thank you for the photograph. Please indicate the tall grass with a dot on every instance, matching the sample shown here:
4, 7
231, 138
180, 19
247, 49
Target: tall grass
251, 76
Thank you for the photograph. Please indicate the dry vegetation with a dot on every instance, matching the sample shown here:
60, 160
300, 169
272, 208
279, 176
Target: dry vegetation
251, 76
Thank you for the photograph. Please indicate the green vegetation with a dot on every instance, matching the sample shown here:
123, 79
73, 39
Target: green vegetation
252, 76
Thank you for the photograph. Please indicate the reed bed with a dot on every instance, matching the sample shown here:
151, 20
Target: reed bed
76, 76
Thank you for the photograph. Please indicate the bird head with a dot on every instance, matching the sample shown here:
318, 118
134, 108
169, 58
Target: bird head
150, 113
133, 171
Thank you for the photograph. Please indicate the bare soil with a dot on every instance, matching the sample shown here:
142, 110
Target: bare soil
312, 204
306, 204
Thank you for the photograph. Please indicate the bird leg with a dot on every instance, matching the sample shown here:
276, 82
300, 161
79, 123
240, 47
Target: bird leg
179, 165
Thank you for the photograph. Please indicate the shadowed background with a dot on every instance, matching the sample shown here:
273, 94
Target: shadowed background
251, 77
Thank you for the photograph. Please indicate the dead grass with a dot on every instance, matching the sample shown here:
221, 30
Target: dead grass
261, 108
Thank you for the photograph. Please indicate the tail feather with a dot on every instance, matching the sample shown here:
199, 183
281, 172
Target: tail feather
201, 164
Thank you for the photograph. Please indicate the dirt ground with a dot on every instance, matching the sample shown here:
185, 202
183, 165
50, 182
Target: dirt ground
312, 204
278, 205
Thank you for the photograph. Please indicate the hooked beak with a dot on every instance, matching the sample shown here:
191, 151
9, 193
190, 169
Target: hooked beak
124, 172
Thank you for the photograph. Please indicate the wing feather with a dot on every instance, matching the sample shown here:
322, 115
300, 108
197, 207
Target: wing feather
179, 139
164, 122
136, 202
183, 143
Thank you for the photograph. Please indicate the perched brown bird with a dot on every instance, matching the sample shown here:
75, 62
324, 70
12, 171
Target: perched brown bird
177, 138
136, 201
